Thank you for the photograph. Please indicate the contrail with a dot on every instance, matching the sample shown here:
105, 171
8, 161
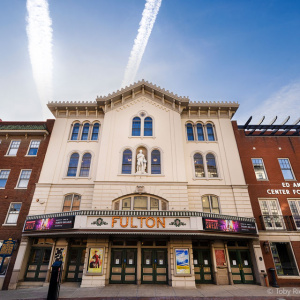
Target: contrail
39, 32
148, 18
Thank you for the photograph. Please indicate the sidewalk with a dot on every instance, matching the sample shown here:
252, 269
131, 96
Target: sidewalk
72, 291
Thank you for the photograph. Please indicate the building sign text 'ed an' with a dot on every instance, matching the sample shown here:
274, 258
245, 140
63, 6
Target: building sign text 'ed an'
233, 226
50, 223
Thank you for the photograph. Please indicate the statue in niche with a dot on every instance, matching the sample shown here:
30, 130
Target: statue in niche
141, 163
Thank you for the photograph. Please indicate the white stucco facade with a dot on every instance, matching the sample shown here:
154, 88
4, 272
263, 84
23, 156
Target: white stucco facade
176, 184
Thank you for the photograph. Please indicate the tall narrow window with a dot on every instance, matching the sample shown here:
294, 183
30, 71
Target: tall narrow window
210, 204
211, 165
127, 162
189, 132
75, 132
24, 178
259, 168
286, 169
199, 166
72, 202
3, 177
33, 148
85, 132
295, 209
148, 126
85, 165
136, 126
72, 170
155, 162
13, 149
210, 132
95, 132
13, 213
200, 133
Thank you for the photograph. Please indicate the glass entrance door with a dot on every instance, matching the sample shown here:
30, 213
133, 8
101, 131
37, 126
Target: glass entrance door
241, 266
38, 264
123, 266
75, 264
202, 266
154, 266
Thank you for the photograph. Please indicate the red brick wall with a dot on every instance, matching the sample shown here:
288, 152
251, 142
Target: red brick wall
10, 194
270, 148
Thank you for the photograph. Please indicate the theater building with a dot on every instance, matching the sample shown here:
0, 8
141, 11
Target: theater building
22, 150
141, 186
270, 156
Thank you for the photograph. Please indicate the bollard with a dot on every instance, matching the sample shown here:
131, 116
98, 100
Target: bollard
55, 279
274, 281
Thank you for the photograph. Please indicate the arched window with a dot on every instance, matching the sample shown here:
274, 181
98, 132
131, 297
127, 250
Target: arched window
72, 202
200, 133
75, 132
210, 132
138, 202
127, 162
199, 166
189, 132
85, 165
155, 162
148, 126
72, 170
210, 204
95, 132
136, 126
211, 165
85, 132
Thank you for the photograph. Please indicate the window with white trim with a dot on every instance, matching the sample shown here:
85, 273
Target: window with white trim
82, 170
33, 147
24, 179
71, 202
200, 132
259, 168
295, 209
3, 177
210, 204
13, 148
286, 169
271, 214
85, 131
138, 202
142, 125
13, 213
205, 167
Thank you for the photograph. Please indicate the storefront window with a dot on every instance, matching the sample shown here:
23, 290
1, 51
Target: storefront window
284, 259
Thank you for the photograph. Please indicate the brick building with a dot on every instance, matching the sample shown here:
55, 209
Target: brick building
270, 156
22, 150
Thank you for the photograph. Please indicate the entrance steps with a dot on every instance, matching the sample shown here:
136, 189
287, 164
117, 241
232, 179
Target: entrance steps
31, 284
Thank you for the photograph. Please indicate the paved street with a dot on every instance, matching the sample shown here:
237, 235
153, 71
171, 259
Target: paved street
72, 291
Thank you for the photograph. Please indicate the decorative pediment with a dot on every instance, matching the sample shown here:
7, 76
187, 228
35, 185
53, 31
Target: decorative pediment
143, 91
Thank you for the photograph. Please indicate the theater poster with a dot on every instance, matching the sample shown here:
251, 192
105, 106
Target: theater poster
95, 263
182, 263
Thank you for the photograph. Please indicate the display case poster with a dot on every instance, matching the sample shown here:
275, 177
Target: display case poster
50, 223
95, 264
182, 261
233, 226
220, 258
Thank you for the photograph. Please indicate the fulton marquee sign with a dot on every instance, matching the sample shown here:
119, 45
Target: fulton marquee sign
141, 221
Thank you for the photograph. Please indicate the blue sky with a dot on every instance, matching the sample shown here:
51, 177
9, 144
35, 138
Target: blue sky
209, 50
